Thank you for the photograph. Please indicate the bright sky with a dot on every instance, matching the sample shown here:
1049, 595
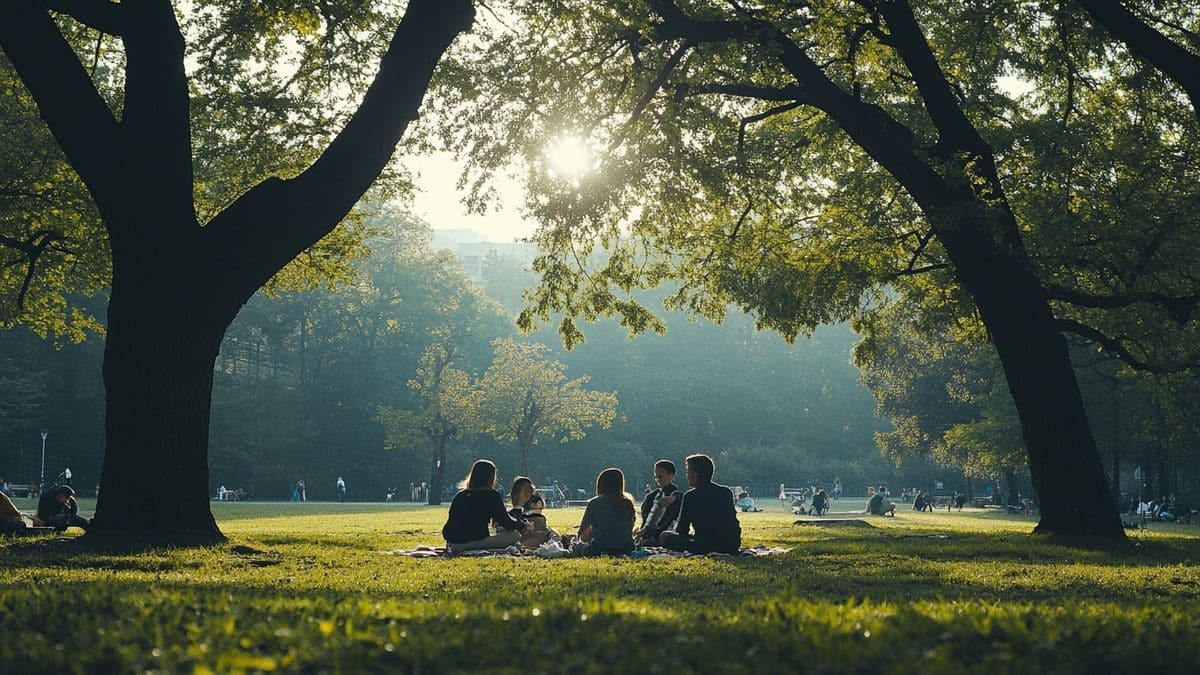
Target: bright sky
440, 203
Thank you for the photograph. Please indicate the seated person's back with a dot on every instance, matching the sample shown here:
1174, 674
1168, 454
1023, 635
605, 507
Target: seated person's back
709, 510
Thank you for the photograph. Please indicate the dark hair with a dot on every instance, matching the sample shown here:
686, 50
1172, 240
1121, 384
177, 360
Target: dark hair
612, 482
482, 476
666, 465
63, 489
516, 485
703, 465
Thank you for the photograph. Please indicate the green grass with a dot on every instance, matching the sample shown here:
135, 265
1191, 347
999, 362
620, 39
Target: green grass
304, 587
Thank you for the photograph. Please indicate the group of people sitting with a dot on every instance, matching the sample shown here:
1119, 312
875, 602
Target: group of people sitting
56, 508
701, 520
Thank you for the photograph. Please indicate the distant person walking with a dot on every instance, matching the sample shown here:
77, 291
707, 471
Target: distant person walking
341, 489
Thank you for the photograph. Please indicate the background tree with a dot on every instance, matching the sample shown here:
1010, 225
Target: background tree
445, 403
524, 397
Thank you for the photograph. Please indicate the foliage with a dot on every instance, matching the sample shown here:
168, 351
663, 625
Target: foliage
305, 589
525, 397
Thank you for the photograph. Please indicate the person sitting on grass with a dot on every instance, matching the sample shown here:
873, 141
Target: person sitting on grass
880, 505
474, 507
607, 524
708, 507
660, 508
800, 504
745, 503
57, 509
527, 507
11, 521
820, 505
921, 502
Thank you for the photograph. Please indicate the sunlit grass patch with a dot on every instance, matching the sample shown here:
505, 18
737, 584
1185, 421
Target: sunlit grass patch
305, 587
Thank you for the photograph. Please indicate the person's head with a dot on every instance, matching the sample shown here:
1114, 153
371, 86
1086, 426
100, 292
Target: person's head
743, 494
611, 482
482, 476
522, 490
62, 494
883, 488
700, 469
664, 472
535, 503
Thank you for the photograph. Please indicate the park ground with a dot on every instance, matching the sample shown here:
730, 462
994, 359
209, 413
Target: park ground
309, 588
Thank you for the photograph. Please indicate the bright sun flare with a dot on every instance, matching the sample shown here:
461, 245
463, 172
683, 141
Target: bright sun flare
569, 157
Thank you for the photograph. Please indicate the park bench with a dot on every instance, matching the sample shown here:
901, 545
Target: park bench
23, 490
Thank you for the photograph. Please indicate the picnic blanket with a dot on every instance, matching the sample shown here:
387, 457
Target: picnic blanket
552, 550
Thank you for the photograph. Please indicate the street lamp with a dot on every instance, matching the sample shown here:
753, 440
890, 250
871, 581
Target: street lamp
42, 480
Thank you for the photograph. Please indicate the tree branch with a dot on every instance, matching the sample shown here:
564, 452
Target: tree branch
74, 111
792, 93
1085, 331
656, 85
1177, 63
102, 15
277, 219
1179, 307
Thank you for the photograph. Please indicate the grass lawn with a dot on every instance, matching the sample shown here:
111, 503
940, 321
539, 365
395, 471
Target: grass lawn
303, 587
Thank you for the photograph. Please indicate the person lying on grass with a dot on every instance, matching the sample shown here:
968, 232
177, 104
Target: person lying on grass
660, 508
474, 507
527, 507
708, 507
607, 525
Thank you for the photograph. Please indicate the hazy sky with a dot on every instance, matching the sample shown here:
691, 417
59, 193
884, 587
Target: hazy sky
441, 204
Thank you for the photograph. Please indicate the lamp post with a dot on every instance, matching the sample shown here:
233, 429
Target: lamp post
42, 480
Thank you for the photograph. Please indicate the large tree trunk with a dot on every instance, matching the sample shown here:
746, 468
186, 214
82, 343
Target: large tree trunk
158, 374
1064, 463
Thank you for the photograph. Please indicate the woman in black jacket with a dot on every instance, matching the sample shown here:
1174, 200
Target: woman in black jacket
474, 508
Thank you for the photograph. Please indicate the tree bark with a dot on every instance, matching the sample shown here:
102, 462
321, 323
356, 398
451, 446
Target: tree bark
158, 373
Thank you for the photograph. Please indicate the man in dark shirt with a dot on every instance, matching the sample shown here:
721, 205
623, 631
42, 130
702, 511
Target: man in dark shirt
57, 509
660, 508
707, 507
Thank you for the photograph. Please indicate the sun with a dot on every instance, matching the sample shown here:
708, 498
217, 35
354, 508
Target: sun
569, 157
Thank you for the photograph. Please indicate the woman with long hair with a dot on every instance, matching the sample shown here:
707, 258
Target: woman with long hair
526, 506
607, 525
474, 508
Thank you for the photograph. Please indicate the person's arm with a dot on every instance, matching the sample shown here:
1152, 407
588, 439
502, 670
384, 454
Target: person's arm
502, 517
685, 516
586, 523
647, 504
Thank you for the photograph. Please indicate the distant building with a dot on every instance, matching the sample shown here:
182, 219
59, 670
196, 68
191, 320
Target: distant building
472, 250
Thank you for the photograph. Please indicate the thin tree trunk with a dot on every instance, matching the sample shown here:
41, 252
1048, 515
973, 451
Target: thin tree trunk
1116, 441
437, 471
1010, 479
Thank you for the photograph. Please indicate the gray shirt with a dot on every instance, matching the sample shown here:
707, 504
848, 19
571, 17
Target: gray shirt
611, 518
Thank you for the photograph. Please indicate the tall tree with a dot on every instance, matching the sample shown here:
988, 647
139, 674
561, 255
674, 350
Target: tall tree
177, 283
441, 415
792, 159
524, 397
